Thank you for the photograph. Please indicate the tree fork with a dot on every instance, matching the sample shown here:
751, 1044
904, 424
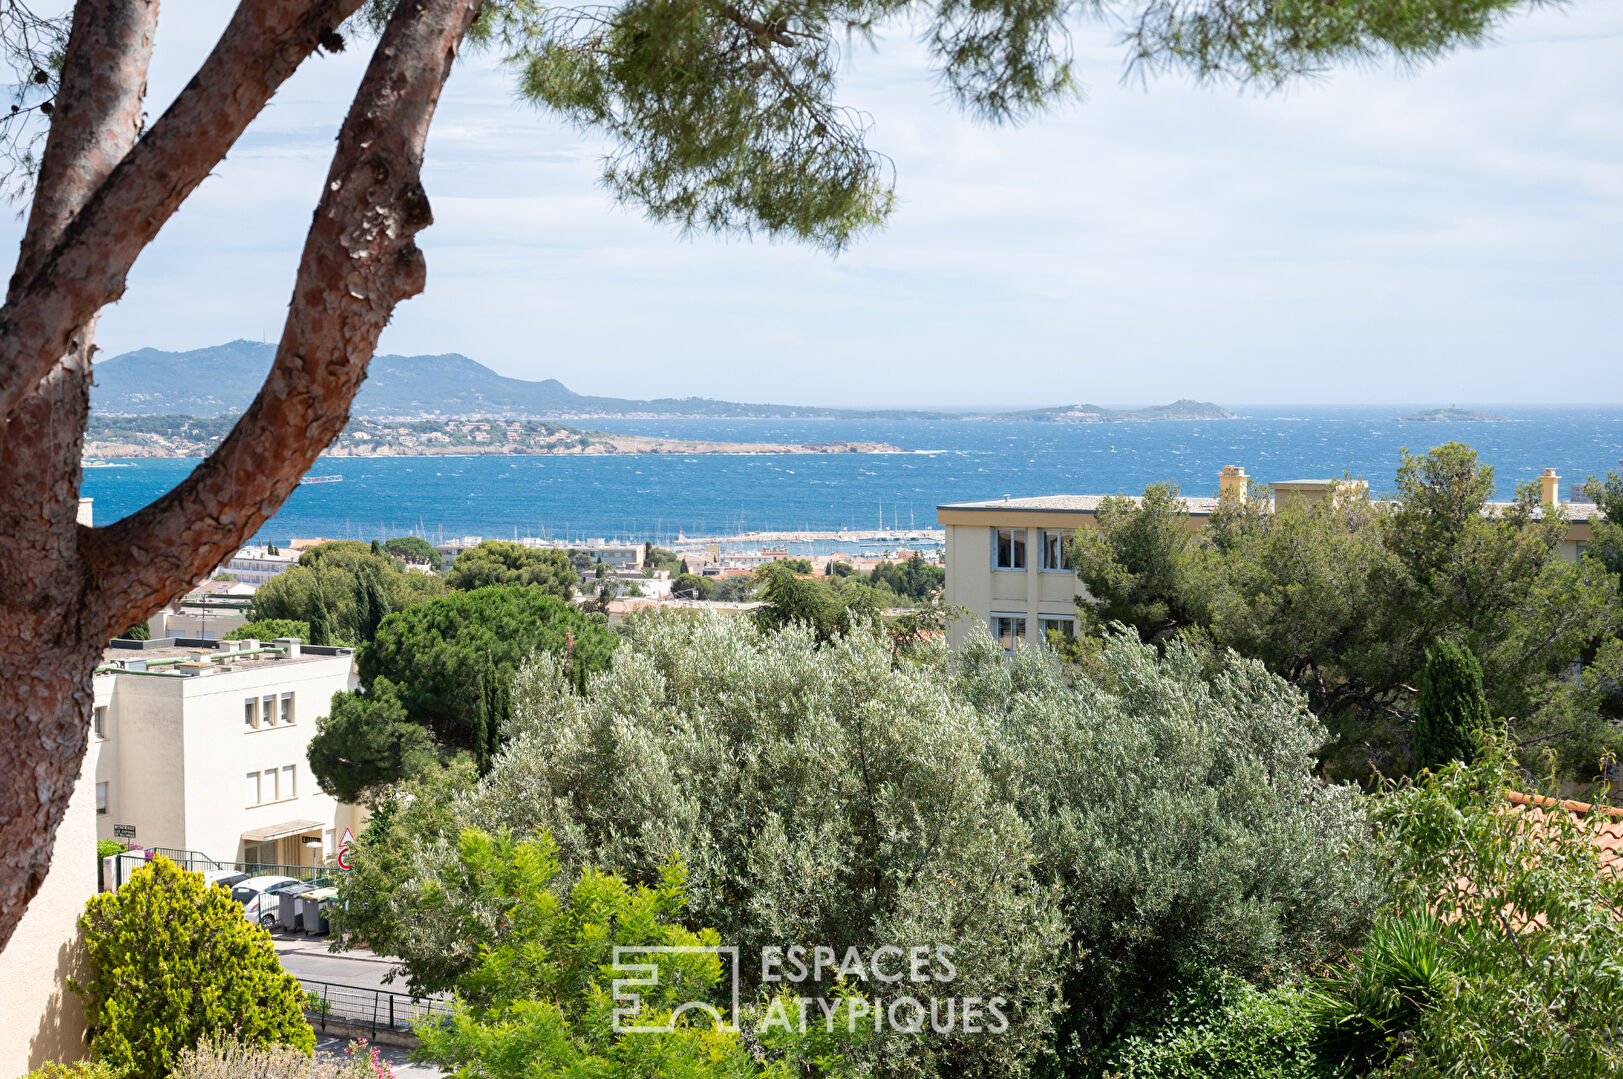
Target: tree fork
359, 261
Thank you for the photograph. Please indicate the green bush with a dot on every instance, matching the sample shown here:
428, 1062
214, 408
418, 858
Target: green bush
1225, 1030
1102, 844
269, 629
83, 1069
106, 848
1453, 712
537, 1002
1502, 960
172, 961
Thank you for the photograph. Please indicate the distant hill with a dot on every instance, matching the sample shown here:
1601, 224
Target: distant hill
222, 380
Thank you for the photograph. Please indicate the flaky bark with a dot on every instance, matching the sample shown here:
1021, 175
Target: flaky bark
44, 649
359, 262
63, 287
78, 586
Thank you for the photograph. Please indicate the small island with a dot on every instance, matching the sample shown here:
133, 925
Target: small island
1451, 415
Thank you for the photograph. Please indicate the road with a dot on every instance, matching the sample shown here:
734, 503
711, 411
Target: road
308, 959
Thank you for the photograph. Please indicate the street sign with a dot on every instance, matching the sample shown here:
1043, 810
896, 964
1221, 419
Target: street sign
123, 831
343, 849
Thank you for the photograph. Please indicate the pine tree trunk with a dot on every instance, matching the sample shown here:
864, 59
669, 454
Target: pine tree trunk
45, 650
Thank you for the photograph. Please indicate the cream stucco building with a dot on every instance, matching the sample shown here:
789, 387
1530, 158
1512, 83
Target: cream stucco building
202, 747
1007, 565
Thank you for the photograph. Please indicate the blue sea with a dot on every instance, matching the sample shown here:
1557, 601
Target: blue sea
944, 461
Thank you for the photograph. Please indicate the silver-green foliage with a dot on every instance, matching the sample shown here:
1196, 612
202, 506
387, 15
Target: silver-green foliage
1101, 842
1172, 801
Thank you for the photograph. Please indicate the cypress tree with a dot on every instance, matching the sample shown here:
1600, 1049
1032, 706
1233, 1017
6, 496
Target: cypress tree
320, 629
1453, 709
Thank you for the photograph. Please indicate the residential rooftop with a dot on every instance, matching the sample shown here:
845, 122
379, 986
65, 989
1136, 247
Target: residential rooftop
190, 657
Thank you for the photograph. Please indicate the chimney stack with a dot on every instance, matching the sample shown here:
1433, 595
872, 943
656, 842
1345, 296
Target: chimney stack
289, 646
1549, 486
1232, 480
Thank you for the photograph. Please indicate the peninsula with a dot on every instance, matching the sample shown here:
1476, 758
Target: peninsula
195, 436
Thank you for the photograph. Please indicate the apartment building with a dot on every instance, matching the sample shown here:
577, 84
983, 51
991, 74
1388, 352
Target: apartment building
202, 746
1007, 564
254, 565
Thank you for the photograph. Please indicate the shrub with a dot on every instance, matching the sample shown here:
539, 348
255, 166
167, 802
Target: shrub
1106, 843
269, 629
1503, 962
536, 1003
172, 961
1172, 802
1453, 712
232, 1058
83, 1069
1224, 1030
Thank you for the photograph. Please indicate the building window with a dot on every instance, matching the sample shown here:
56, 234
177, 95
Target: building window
250, 713
1065, 627
253, 788
288, 789
1008, 630
98, 720
101, 799
287, 708
268, 712
1010, 549
1056, 554
267, 786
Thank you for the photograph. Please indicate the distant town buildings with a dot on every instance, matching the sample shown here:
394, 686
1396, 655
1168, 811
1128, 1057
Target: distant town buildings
254, 565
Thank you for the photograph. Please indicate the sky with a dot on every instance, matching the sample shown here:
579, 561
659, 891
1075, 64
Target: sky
1449, 235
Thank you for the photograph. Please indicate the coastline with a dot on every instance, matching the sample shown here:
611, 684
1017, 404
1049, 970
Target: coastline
600, 446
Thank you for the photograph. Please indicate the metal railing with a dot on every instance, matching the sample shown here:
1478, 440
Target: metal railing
373, 1009
198, 862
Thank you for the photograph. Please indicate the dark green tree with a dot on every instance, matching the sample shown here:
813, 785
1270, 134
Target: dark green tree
692, 586
498, 562
366, 741
433, 667
141, 631
789, 597
336, 571
415, 550
270, 630
320, 627
371, 604
1136, 564
377, 548
1453, 714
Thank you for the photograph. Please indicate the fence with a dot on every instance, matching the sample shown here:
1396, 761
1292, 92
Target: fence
198, 862
373, 1009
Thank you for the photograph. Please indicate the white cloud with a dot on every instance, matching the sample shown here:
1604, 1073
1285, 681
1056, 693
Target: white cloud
1448, 233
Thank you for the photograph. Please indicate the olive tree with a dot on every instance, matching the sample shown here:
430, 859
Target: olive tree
723, 114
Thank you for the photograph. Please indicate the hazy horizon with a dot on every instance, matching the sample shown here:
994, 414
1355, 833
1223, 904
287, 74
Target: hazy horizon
1454, 232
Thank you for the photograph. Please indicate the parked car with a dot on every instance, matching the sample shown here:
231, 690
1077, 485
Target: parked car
262, 909
225, 878
255, 886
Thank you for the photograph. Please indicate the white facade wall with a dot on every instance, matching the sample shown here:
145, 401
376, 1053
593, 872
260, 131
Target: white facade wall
178, 753
40, 1019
